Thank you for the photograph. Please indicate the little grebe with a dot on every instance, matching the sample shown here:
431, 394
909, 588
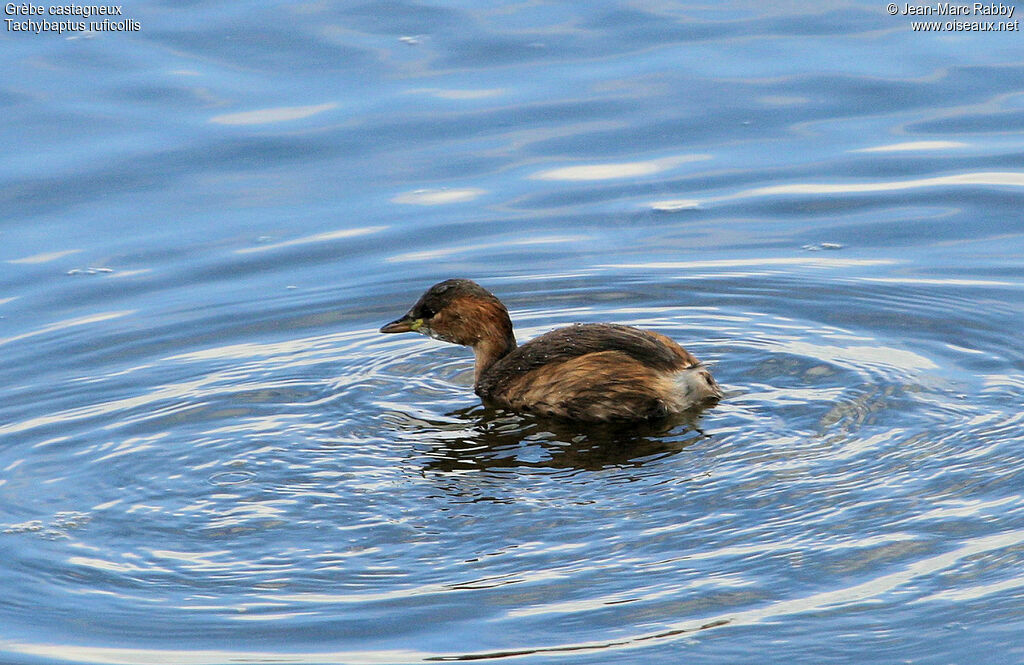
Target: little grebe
588, 371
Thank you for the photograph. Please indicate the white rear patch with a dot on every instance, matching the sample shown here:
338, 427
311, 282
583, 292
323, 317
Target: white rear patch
692, 387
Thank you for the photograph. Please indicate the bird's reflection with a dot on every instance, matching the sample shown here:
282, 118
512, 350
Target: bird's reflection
481, 438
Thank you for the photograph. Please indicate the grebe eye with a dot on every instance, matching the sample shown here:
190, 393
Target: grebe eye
426, 313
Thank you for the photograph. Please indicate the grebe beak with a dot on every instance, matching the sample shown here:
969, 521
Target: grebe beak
404, 324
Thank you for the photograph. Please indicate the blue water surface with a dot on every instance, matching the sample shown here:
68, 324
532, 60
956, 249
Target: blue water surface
209, 455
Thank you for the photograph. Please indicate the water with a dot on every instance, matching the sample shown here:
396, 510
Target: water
209, 455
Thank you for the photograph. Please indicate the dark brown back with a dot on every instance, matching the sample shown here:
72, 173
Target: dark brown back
649, 348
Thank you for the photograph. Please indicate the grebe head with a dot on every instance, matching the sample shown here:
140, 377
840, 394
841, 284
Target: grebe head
459, 311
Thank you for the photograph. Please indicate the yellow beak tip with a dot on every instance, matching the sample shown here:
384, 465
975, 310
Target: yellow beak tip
403, 325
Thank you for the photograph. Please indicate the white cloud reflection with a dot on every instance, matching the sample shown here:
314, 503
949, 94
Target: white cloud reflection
68, 323
618, 170
995, 178
319, 237
750, 263
910, 146
272, 115
445, 93
675, 205
45, 257
1005, 178
433, 197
